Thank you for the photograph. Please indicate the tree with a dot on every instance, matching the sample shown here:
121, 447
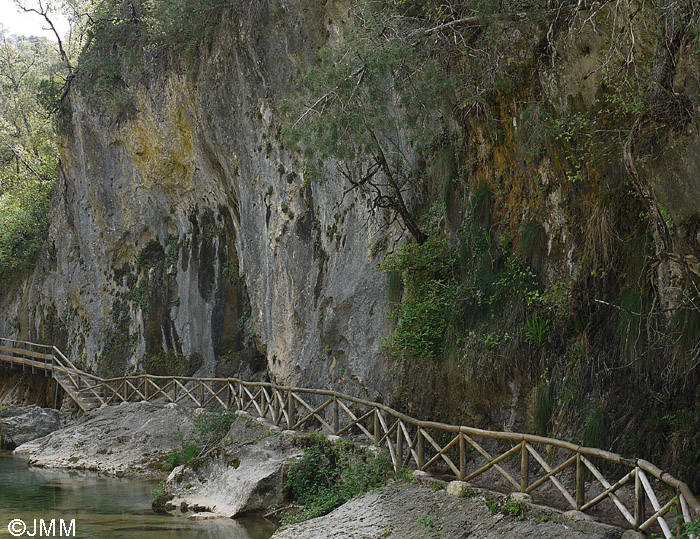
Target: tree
27, 137
44, 9
28, 154
369, 99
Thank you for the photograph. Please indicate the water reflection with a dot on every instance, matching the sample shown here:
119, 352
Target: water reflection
103, 508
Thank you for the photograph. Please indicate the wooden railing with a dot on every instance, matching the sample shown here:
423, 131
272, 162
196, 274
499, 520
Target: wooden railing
564, 473
48, 360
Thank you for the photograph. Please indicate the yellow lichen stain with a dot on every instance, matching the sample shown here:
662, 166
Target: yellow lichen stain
161, 144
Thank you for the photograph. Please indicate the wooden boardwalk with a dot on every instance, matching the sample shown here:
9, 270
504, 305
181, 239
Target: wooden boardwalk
566, 474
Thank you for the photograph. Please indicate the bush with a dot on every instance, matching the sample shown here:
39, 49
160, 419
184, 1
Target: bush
329, 474
23, 226
209, 429
427, 273
187, 452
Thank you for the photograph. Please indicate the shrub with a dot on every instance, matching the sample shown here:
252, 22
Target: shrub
427, 274
209, 429
329, 474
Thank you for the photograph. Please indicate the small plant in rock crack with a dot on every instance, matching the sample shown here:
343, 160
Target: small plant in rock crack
492, 505
432, 527
536, 331
508, 506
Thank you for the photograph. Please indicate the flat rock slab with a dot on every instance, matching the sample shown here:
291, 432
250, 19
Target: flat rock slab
22, 424
413, 511
131, 439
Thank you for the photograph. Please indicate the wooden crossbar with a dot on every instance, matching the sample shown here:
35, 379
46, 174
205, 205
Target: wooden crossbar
252, 401
185, 393
135, 388
411, 446
441, 453
283, 409
215, 395
606, 485
607, 492
313, 414
489, 458
355, 421
563, 466
657, 517
655, 504
494, 462
115, 394
387, 433
163, 390
554, 480
266, 402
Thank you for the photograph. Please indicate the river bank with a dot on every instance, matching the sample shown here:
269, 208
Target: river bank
246, 472
99, 507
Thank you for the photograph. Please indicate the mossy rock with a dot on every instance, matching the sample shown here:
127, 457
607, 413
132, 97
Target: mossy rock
160, 503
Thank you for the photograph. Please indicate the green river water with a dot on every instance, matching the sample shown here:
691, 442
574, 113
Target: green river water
103, 508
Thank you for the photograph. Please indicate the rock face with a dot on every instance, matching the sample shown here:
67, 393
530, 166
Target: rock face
23, 388
23, 424
126, 440
244, 475
412, 512
185, 239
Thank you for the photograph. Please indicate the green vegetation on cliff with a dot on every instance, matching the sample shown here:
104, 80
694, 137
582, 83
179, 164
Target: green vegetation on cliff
559, 252
28, 154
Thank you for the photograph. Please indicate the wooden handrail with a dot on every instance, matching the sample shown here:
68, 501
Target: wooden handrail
280, 402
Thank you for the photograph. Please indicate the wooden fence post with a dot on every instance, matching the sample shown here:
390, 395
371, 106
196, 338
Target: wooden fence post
377, 435
399, 447
53, 374
145, 386
580, 482
639, 506
419, 443
290, 409
336, 421
524, 466
263, 402
462, 457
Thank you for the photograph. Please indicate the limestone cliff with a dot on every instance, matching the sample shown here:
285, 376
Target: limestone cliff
186, 238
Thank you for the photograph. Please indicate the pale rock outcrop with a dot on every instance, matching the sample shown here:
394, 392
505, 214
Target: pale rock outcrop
245, 474
234, 482
414, 512
132, 439
25, 423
